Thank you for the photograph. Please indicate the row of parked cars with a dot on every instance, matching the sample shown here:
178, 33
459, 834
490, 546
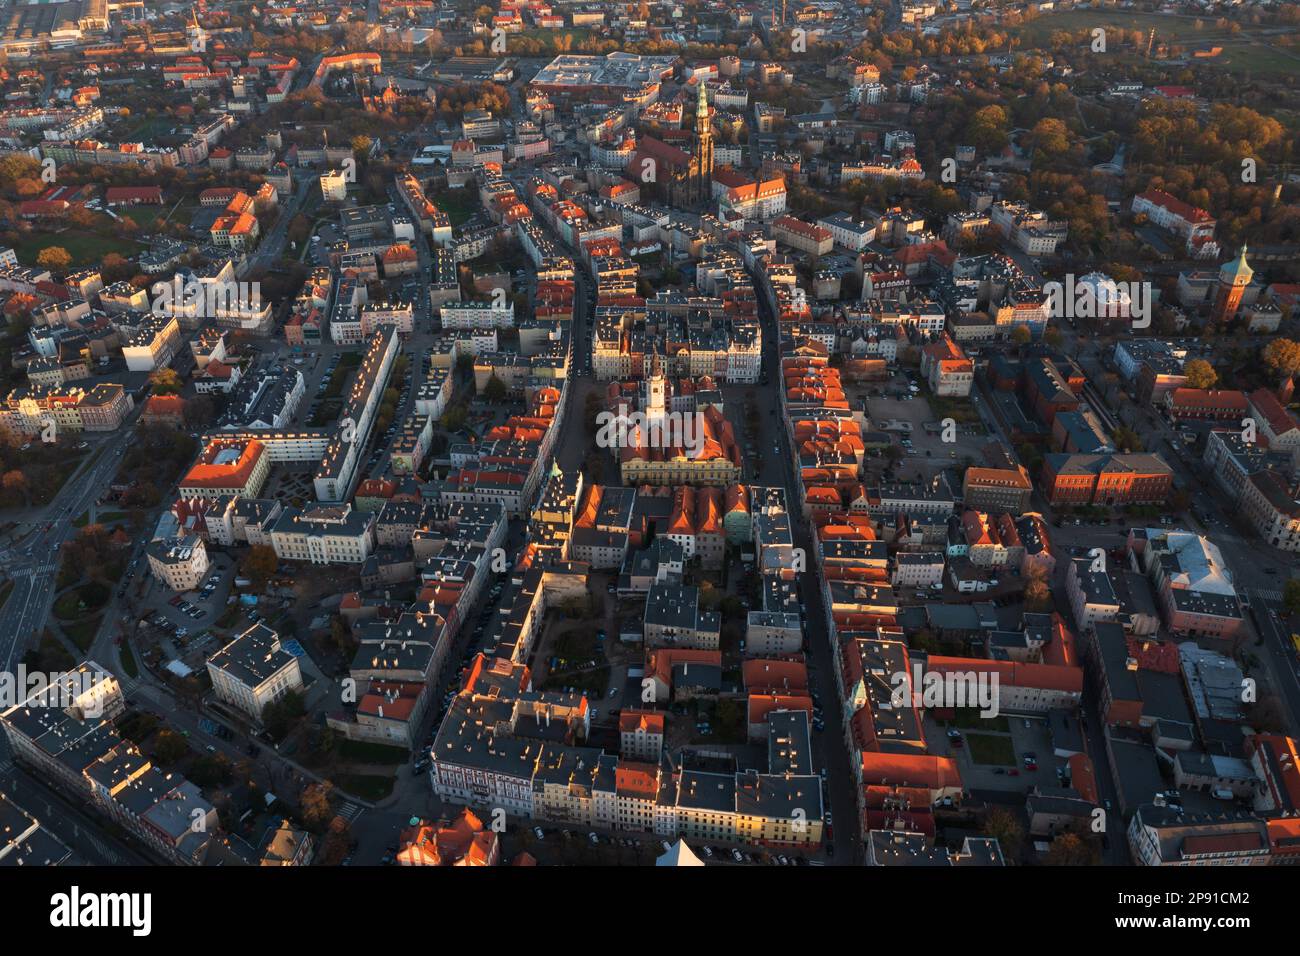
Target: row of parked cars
185, 607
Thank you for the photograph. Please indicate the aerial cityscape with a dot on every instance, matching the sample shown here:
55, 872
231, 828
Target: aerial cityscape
649, 434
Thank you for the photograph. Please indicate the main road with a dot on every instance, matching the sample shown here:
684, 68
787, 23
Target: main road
32, 563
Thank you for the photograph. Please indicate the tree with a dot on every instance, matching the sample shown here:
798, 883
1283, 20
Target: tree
1020, 335
1070, 849
1283, 357
165, 381
15, 485
169, 747
315, 805
1001, 825
1200, 374
280, 716
494, 390
54, 257
1038, 594
1050, 136
259, 564
1291, 596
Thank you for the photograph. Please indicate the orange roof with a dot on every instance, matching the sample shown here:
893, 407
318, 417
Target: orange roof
164, 406
207, 473
633, 779
648, 721
916, 770
772, 676
1015, 674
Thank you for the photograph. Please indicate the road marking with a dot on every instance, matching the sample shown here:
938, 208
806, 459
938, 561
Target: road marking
350, 811
1268, 595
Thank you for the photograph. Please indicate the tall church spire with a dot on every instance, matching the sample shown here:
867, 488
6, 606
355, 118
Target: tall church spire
701, 185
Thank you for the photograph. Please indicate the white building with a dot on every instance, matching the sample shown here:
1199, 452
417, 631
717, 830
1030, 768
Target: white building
179, 563
253, 671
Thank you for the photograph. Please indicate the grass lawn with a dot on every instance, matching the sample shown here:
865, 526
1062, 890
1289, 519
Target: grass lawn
92, 595
968, 718
128, 661
86, 248
990, 749
83, 631
593, 681
105, 517
365, 786
359, 752
142, 215
458, 204
1240, 53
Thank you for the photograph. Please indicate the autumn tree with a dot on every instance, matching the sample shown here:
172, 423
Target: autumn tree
54, 257
1006, 829
165, 381
1070, 849
1283, 357
1038, 594
1200, 374
315, 805
1050, 136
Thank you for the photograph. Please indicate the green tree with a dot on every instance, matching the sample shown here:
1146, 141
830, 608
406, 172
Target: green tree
494, 390
169, 747
1291, 596
259, 564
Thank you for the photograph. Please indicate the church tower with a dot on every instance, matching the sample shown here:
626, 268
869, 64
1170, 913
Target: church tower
656, 397
1234, 277
701, 186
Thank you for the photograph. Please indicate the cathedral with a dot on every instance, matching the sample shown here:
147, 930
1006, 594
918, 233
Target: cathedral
680, 178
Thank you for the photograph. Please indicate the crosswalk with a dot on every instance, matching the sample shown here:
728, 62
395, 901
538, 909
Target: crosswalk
349, 811
30, 571
1268, 595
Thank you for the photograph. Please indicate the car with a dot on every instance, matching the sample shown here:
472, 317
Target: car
736, 855
595, 840
613, 692
1013, 772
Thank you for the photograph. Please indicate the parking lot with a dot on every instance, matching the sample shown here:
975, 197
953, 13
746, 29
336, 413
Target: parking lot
180, 621
907, 420
1011, 753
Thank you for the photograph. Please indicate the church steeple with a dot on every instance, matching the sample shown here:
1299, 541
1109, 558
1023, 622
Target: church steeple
701, 186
